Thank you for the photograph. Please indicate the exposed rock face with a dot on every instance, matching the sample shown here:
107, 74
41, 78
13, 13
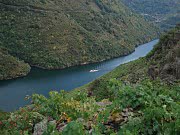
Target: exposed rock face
40, 127
153, 72
165, 61
171, 71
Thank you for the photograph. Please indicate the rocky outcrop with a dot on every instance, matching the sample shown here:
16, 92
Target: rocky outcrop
165, 61
40, 127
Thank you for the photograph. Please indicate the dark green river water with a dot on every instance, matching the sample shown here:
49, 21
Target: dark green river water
12, 92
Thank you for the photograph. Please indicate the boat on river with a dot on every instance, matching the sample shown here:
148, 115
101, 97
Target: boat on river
94, 70
43, 81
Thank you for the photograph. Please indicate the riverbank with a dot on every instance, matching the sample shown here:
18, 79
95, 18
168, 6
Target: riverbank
132, 95
24, 71
42, 81
11, 67
44, 34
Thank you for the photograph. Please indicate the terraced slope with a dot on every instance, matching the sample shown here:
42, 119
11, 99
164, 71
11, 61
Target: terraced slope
55, 34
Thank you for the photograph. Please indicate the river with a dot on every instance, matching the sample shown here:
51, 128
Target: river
13, 92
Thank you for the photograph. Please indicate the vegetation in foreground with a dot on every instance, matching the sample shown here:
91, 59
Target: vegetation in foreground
147, 108
134, 99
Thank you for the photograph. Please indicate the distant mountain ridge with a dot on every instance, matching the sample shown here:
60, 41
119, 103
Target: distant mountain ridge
165, 13
54, 34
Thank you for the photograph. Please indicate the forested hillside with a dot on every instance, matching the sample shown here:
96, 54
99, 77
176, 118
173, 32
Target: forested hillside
140, 97
11, 67
165, 13
55, 34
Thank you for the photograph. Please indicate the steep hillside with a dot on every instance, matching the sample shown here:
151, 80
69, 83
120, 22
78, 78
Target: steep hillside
165, 13
11, 67
133, 99
163, 63
56, 34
